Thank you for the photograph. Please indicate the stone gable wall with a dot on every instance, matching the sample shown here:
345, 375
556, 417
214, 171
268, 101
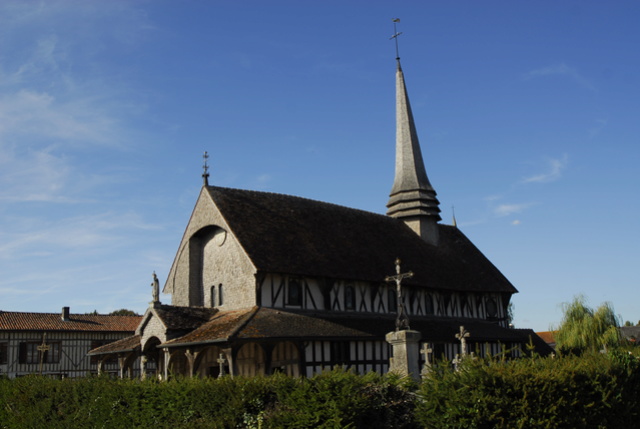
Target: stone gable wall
210, 255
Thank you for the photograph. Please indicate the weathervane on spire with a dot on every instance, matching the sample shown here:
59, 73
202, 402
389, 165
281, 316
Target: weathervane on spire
205, 167
395, 36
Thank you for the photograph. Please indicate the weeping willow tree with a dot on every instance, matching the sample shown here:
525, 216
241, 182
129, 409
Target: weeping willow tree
583, 329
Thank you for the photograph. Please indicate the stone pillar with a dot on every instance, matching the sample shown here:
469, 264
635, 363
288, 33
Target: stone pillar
229, 355
165, 364
406, 353
143, 367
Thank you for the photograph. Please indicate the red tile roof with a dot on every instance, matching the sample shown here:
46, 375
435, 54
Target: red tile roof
17, 321
547, 336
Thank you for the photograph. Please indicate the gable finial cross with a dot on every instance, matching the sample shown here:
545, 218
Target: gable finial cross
402, 321
205, 167
395, 36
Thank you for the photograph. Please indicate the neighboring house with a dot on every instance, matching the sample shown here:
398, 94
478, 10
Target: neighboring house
631, 333
264, 282
66, 339
548, 337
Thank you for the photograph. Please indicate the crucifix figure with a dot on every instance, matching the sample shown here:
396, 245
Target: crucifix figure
42, 349
221, 361
402, 321
462, 336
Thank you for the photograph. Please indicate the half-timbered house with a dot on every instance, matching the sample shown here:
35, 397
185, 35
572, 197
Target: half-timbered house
264, 282
56, 344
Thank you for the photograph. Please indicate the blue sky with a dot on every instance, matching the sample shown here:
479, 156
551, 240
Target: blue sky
527, 114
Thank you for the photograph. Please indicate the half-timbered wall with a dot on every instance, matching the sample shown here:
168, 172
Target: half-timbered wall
360, 356
71, 359
281, 291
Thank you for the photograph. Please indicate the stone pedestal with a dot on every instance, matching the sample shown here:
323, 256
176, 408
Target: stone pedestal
406, 352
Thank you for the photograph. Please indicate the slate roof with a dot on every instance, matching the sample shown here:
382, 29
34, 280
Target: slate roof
17, 321
258, 323
128, 344
299, 236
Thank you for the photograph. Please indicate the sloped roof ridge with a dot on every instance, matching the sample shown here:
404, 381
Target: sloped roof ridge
298, 197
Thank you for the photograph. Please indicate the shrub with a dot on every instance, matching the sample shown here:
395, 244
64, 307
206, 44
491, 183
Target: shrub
595, 390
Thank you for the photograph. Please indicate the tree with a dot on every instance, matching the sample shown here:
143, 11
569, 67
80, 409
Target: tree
583, 329
123, 312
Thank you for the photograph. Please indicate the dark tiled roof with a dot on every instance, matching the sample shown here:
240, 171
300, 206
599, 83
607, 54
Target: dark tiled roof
184, 318
220, 327
268, 323
294, 235
16, 321
128, 344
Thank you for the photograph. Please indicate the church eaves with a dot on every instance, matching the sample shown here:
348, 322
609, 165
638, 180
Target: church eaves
412, 197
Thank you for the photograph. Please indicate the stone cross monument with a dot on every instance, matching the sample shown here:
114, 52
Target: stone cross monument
427, 352
462, 336
402, 320
405, 342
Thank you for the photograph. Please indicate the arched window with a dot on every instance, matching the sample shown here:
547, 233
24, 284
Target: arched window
349, 297
220, 295
213, 296
294, 293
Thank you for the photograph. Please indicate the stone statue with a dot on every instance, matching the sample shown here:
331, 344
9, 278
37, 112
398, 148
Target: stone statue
156, 288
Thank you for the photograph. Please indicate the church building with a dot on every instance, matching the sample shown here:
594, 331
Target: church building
264, 282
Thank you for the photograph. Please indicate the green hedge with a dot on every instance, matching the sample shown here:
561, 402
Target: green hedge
334, 399
593, 391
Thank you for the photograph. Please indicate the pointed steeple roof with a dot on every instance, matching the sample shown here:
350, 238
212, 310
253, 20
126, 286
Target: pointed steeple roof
412, 197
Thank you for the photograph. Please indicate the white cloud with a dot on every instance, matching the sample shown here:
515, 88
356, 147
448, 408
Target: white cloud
95, 233
555, 167
600, 124
560, 69
509, 209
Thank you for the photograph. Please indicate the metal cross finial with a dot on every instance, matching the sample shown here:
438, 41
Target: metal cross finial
402, 321
395, 36
205, 167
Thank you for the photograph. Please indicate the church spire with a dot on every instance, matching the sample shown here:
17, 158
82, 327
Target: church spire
412, 197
